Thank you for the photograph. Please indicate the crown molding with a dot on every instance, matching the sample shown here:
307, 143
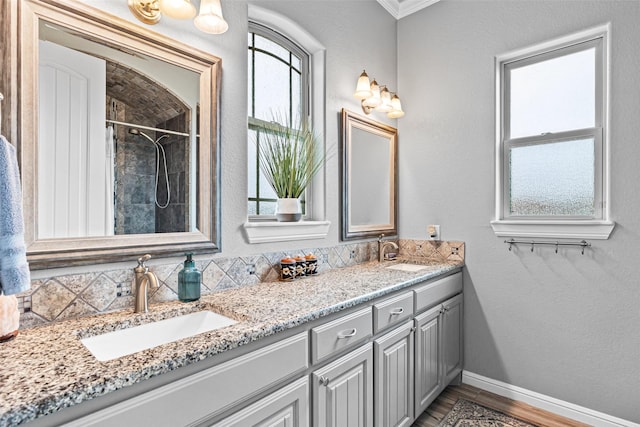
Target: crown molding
401, 8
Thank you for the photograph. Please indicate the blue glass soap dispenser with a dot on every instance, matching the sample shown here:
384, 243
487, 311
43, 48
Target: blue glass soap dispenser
189, 279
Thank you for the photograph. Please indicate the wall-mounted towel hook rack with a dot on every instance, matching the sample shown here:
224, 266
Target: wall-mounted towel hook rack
582, 244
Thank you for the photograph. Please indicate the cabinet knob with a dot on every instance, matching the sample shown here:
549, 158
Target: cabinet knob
323, 380
347, 333
396, 311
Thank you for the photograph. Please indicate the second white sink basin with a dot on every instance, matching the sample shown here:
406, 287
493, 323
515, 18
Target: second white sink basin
407, 267
113, 345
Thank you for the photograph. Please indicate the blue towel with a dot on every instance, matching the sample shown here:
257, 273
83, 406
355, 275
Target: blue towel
14, 269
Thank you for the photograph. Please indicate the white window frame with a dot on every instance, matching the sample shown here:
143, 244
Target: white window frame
315, 226
598, 226
263, 126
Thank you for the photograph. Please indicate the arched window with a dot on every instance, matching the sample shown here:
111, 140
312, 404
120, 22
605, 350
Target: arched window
278, 79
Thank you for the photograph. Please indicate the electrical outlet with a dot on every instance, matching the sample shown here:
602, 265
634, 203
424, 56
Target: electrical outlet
433, 232
352, 254
123, 290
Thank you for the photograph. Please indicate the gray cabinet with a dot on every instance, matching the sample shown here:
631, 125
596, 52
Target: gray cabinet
438, 350
343, 391
377, 364
199, 397
428, 358
393, 377
452, 338
287, 407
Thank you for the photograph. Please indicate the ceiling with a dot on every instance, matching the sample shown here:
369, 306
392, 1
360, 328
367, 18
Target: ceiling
401, 8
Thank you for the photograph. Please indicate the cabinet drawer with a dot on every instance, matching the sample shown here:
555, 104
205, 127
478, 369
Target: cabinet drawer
288, 406
339, 334
392, 311
435, 292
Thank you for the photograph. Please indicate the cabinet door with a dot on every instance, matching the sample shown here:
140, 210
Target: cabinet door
287, 407
343, 391
393, 378
452, 338
428, 358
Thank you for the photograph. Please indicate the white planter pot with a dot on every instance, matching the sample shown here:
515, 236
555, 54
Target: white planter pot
288, 210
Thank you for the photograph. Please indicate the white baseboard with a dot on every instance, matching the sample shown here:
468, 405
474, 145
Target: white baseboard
550, 404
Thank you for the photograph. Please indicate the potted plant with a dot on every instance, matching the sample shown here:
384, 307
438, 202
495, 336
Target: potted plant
289, 156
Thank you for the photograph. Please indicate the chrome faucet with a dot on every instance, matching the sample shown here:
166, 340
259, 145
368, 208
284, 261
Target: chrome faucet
143, 279
382, 246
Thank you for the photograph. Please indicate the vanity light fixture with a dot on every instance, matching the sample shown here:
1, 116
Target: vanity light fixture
209, 20
376, 97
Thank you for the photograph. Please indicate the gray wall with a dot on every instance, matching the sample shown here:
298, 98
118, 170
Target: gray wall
356, 34
563, 325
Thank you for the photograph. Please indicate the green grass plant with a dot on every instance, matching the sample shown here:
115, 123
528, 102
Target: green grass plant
289, 155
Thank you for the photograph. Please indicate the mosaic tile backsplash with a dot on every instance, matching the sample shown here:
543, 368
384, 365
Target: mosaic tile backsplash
77, 295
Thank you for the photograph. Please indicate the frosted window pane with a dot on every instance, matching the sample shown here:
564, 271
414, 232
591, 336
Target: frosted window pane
296, 63
252, 162
266, 192
251, 208
271, 87
267, 208
273, 48
250, 81
553, 95
296, 94
553, 179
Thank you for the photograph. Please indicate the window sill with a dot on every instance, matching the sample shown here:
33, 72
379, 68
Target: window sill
273, 231
599, 230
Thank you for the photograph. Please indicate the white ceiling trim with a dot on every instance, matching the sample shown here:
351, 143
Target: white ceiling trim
401, 8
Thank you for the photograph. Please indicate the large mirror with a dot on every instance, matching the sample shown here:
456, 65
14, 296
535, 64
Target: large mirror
369, 177
118, 138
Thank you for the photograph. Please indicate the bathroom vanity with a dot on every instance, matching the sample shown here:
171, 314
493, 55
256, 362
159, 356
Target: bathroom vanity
387, 341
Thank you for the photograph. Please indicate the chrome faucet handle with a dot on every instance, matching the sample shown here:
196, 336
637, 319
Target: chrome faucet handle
380, 238
143, 259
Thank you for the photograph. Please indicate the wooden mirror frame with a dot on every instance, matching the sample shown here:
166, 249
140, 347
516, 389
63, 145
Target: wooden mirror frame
47, 253
350, 120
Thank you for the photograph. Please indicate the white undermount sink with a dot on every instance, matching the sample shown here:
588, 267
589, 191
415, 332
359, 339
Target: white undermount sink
113, 345
407, 267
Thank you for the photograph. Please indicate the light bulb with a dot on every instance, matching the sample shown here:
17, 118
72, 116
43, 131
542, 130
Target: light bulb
385, 97
363, 89
396, 106
210, 19
178, 9
374, 100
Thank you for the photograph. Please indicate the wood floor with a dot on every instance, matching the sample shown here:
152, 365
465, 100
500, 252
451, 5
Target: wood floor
443, 404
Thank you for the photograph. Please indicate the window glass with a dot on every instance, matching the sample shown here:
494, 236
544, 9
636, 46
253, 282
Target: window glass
553, 179
272, 85
296, 96
266, 45
553, 136
554, 95
252, 160
277, 73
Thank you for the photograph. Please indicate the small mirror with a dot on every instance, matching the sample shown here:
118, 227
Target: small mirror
118, 149
369, 186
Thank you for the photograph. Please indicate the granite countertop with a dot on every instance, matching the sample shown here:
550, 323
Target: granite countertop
47, 368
